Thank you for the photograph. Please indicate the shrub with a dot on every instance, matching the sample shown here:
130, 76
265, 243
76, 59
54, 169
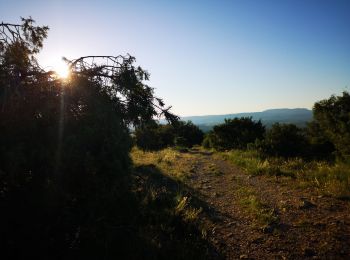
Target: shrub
209, 140
188, 134
332, 117
235, 133
285, 140
320, 146
154, 136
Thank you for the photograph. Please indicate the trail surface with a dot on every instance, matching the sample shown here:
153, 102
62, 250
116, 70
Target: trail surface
264, 217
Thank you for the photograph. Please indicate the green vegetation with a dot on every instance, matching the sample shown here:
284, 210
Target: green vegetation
325, 138
330, 179
187, 134
332, 117
316, 156
166, 160
265, 217
170, 219
153, 136
284, 140
235, 133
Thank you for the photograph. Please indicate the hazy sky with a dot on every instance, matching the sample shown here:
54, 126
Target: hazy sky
208, 57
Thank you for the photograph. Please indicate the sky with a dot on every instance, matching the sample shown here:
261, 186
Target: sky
208, 57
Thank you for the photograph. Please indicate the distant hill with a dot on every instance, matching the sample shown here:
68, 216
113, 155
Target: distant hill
298, 116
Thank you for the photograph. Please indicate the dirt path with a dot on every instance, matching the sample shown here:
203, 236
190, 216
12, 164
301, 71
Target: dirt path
262, 217
267, 218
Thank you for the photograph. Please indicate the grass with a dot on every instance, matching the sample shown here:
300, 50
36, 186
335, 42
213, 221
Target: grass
176, 165
167, 160
170, 218
212, 169
185, 210
264, 216
330, 179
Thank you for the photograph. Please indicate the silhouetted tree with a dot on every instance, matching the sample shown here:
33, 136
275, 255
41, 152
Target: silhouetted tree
64, 149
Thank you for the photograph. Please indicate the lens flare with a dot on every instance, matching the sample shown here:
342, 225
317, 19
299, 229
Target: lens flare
61, 69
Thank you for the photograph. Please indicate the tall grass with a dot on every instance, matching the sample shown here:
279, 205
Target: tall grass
167, 160
331, 179
169, 219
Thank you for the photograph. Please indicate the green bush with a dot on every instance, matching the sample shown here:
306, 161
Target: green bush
209, 140
285, 140
188, 134
320, 146
235, 133
156, 136
332, 118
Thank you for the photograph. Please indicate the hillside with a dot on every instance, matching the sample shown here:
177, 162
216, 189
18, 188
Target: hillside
298, 116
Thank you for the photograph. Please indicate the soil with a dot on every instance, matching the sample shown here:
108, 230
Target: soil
308, 225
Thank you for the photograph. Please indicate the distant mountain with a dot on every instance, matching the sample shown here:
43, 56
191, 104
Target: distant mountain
298, 116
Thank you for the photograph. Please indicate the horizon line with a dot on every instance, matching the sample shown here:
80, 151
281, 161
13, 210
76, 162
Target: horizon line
244, 112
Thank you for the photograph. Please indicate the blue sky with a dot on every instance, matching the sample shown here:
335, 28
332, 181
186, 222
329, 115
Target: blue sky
208, 57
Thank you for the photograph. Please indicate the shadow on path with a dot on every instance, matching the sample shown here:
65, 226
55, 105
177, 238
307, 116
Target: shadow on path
159, 197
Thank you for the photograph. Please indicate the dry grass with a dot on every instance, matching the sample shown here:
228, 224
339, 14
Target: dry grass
185, 210
178, 166
264, 216
168, 160
333, 180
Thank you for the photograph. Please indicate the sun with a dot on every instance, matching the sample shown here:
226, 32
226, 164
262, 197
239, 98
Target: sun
61, 69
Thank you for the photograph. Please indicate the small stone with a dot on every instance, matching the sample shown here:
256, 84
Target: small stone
305, 204
243, 257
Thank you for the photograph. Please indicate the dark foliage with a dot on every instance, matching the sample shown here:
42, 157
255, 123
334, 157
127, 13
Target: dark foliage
331, 123
156, 136
320, 146
64, 151
187, 134
235, 133
285, 140
209, 140
177, 237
